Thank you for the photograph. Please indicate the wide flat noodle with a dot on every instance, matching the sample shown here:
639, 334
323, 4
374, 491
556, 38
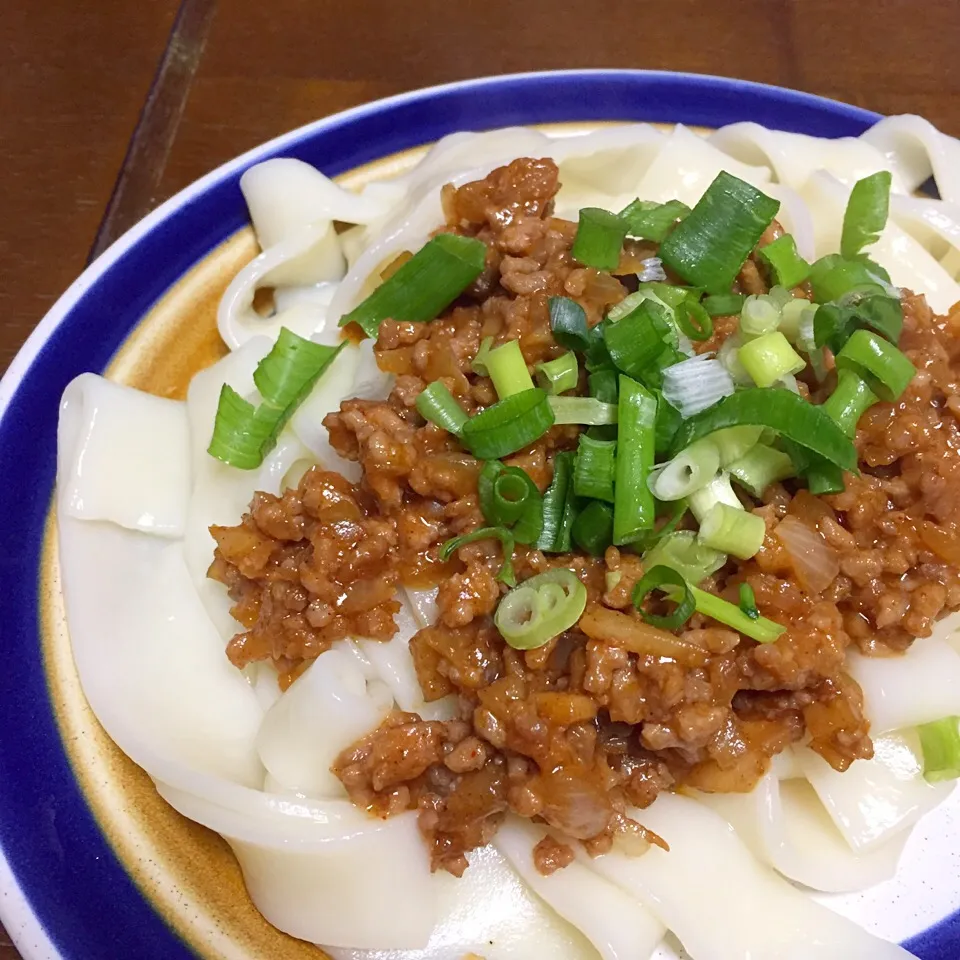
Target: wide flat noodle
722, 903
124, 456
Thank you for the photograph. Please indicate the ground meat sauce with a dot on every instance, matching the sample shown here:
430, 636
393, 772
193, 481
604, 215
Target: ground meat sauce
614, 711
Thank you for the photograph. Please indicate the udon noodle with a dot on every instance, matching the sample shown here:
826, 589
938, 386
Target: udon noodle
137, 494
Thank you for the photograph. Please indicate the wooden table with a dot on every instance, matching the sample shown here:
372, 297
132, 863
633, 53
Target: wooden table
107, 108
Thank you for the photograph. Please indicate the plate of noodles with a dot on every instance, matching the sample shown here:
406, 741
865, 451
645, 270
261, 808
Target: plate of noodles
513, 519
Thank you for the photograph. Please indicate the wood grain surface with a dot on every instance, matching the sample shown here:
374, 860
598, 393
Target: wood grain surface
109, 107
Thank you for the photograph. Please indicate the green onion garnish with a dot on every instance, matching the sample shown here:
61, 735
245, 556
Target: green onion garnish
426, 284
866, 213
509, 498
733, 530
508, 370
792, 315
760, 315
718, 490
940, 743
760, 629
603, 385
694, 320
559, 506
586, 410
788, 267
505, 574
568, 322
668, 423
638, 340
834, 323
593, 528
710, 246
438, 405
748, 601
540, 609
882, 365
633, 507
560, 375
508, 426
824, 478
649, 220
734, 442
595, 468
658, 578
681, 551
781, 410
850, 400
243, 434
769, 358
724, 304
759, 467
479, 363
694, 467
599, 239
698, 383
832, 276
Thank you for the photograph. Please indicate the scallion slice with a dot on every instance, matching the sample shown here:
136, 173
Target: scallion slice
633, 507
757, 628
658, 578
586, 410
505, 574
559, 506
760, 315
732, 530
560, 375
783, 411
866, 213
693, 320
438, 405
832, 276
692, 468
243, 434
733, 442
770, 358
791, 317
850, 400
479, 363
710, 246
427, 283
693, 385
681, 551
718, 490
508, 425
882, 365
593, 528
638, 339
761, 466
568, 323
599, 239
940, 743
603, 385
748, 601
540, 609
788, 267
508, 370
509, 498
649, 220
724, 304
667, 425
595, 468
834, 323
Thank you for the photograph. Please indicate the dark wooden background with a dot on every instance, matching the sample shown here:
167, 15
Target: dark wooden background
110, 106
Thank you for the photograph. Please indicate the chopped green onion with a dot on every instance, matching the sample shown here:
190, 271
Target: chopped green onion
508, 426
882, 365
760, 629
649, 220
505, 574
693, 320
688, 471
243, 434
695, 384
761, 466
559, 506
824, 478
654, 536
724, 304
770, 358
732, 530
656, 578
788, 267
832, 276
633, 508
850, 400
568, 322
599, 239
479, 363
760, 315
427, 283
593, 528
438, 405
603, 385
748, 601
710, 246
586, 410
667, 425
834, 323
508, 370
637, 340
560, 375
733, 442
866, 213
540, 609
783, 411
595, 468
509, 498
669, 294
681, 551
718, 490
729, 356
791, 316
940, 743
